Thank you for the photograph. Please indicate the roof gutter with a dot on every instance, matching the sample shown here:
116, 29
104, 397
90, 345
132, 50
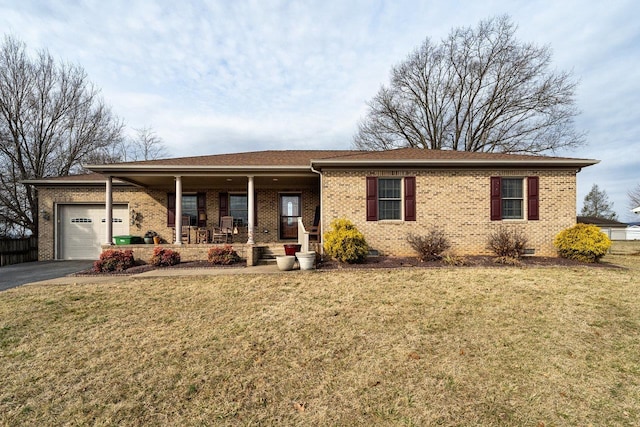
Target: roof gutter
573, 163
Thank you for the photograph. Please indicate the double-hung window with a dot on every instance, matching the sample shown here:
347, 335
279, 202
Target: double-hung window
238, 209
511, 194
194, 208
508, 198
390, 198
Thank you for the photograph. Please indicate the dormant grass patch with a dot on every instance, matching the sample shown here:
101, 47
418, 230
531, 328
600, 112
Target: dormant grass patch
459, 346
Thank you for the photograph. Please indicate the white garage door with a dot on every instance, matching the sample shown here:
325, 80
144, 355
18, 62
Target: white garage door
81, 229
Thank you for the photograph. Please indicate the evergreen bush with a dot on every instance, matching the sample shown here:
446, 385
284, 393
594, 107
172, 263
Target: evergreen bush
345, 243
582, 242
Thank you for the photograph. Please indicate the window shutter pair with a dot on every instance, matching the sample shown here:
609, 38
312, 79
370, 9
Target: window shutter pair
533, 198
409, 198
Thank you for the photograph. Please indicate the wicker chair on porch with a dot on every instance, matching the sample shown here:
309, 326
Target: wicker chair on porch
223, 233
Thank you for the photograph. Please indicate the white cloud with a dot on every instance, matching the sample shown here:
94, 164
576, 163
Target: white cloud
247, 75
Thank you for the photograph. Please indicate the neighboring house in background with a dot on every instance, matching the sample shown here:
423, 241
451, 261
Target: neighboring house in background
633, 231
615, 230
386, 194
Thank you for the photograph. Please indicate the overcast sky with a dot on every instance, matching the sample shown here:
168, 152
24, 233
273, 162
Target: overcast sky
226, 76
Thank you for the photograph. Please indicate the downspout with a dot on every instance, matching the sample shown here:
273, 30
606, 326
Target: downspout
320, 226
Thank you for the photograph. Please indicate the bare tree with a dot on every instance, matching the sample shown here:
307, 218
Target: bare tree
145, 146
478, 90
634, 197
51, 119
596, 204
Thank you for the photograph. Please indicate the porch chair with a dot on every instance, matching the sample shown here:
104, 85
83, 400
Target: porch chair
314, 230
223, 233
185, 231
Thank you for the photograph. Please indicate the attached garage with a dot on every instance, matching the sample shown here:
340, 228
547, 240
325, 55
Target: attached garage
81, 229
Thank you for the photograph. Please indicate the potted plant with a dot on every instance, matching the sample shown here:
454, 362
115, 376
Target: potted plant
150, 236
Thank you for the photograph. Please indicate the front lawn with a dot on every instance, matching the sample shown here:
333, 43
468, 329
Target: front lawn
451, 346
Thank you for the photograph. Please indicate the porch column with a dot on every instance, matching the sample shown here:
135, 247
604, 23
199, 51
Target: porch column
178, 221
108, 212
250, 207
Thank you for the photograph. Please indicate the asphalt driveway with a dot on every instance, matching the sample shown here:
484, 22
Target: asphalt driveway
28, 272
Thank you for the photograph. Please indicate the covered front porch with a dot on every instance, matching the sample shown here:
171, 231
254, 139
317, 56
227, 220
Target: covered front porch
187, 210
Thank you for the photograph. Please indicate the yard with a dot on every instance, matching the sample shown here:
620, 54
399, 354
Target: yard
452, 346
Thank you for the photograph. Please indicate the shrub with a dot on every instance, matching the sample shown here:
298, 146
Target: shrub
164, 257
506, 243
430, 246
582, 242
114, 260
345, 243
508, 260
224, 255
454, 260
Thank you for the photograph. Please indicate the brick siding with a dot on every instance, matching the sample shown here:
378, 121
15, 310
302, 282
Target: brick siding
455, 200
151, 205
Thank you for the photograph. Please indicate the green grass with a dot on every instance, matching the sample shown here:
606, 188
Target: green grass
466, 346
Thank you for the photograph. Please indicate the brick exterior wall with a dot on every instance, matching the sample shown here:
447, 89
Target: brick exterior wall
458, 201
150, 205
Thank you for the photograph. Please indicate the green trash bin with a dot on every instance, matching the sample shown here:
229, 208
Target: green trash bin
128, 240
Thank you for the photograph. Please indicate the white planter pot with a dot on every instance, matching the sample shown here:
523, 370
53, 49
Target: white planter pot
306, 260
285, 262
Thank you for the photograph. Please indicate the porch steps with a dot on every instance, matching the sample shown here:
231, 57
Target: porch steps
268, 254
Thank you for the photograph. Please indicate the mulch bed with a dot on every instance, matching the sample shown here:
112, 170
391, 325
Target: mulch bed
374, 262
148, 267
470, 261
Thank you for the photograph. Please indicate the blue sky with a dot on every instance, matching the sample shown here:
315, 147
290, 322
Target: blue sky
223, 76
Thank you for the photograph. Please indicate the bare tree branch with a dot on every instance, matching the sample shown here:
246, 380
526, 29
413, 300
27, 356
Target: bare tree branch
51, 119
478, 90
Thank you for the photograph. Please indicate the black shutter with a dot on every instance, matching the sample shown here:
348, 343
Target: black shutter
410, 198
171, 209
202, 209
372, 198
533, 207
224, 205
496, 198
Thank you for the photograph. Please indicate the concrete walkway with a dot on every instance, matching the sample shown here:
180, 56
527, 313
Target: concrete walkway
177, 272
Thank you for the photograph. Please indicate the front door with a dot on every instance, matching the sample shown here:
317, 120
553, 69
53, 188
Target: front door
289, 213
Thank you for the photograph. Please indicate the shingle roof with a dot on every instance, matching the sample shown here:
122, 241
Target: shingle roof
251, 158
304, 159
600, 221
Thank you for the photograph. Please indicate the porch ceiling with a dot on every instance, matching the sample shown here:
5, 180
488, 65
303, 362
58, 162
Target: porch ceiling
227, 181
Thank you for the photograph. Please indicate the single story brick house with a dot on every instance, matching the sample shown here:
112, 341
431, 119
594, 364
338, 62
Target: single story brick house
386, 194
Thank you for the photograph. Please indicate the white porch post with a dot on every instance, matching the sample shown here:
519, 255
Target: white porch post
250, 207
108, 212
178, 221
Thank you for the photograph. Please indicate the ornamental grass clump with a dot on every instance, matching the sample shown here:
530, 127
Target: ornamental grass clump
164, 257
345, 243
224, 255
114, 260
582, 242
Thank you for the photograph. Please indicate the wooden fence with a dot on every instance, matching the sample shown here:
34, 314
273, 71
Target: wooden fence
15, 251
